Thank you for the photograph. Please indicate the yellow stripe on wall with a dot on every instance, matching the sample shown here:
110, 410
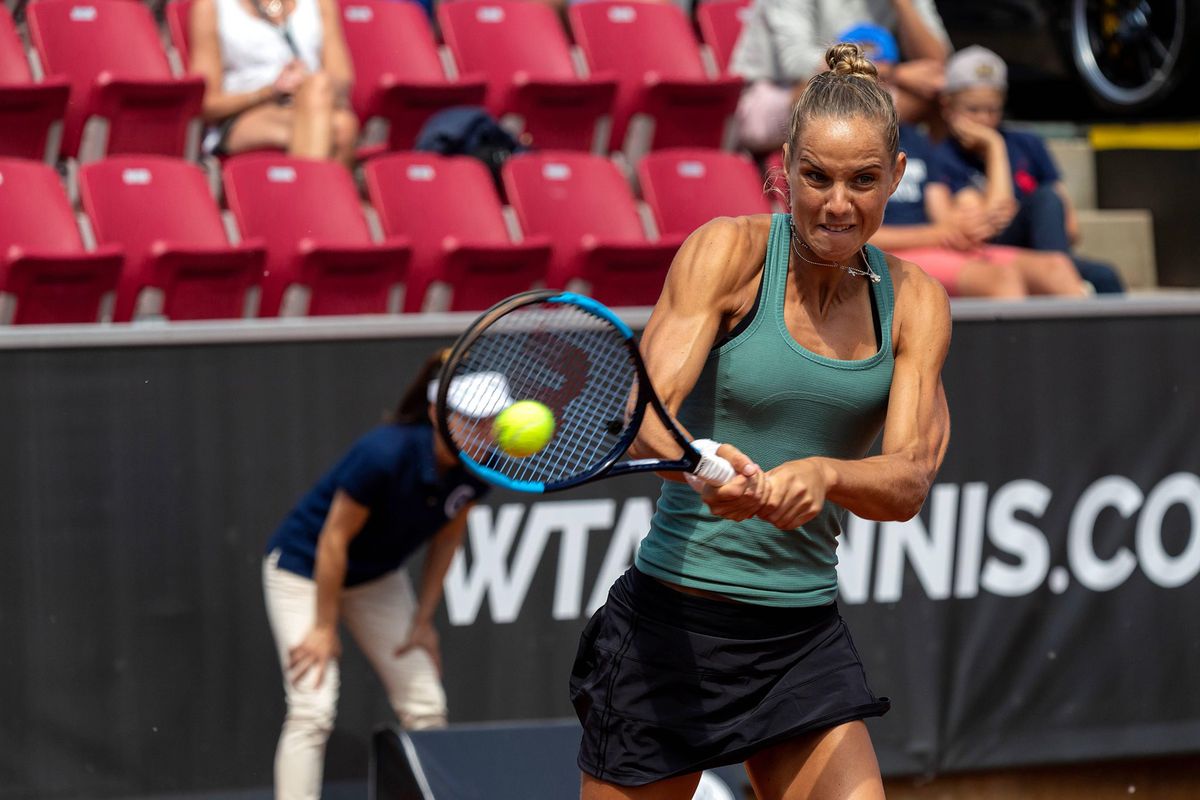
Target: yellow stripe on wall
1159, 136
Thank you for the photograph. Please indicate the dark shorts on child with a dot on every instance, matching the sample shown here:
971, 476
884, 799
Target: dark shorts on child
667, 683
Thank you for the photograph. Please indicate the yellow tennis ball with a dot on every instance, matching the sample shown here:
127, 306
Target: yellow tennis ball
523, 428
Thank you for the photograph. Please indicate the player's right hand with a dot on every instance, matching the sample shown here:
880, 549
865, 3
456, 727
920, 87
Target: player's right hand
313, 654
741, 498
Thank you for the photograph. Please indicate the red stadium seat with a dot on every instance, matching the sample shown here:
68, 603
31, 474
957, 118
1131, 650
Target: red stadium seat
398, 75
586, 208
464, 245
179, 22
522, 50
664, 97
46, 274
318, 240
686, 188
124, 98
30, 113
162, 212
720, 26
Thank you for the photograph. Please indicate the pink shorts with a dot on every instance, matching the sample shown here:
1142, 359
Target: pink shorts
945, 264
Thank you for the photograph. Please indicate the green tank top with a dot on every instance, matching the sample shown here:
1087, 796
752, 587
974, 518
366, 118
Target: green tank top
776, 401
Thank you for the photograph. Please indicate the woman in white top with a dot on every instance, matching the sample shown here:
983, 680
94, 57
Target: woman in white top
278, 75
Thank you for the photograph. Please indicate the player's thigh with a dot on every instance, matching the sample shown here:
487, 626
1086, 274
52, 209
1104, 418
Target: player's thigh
268, 126
680, 788
837, 764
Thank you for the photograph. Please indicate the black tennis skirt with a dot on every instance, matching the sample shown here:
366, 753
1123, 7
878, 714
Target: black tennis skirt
667, 683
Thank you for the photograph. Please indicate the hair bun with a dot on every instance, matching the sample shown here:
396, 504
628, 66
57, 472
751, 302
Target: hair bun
846, 58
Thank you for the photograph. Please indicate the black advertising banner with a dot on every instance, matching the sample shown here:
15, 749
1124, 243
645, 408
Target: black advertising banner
1040, 609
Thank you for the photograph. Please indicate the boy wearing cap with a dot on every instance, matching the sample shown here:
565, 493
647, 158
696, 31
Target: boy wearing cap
340, 555
1044, 219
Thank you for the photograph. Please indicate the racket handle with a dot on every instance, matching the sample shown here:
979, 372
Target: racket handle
712, 469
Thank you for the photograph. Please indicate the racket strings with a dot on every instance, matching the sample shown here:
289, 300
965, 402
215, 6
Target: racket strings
563, 356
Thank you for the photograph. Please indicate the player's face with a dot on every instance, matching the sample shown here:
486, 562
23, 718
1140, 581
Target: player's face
982, 105
841, 175
472, 435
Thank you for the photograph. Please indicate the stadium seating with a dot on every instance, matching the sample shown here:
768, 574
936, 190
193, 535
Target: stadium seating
665, 98
720, 23
461, 246
30, 113
46, 274
162, 212
398, 76
522, 50
586, 208
686, 188
124, 98
178, 14
320, 255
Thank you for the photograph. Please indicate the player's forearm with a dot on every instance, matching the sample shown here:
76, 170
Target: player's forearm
999, 175
883, 488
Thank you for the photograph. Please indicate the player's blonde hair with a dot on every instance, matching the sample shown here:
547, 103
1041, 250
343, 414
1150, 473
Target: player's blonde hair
850, 88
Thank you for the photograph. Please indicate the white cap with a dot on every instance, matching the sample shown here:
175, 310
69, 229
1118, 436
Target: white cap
974, 67
479, 394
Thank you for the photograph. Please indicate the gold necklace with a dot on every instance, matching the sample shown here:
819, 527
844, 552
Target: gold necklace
867, 273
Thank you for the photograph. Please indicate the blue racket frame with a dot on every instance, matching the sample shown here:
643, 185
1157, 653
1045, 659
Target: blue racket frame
607, 466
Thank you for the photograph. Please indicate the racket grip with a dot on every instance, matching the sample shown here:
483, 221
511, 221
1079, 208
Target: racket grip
712, 469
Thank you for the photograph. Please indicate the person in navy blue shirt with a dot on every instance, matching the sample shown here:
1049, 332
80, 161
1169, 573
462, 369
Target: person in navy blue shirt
947, 235
340, 555
976, 85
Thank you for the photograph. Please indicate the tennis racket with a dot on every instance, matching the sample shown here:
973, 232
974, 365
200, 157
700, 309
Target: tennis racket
579, 359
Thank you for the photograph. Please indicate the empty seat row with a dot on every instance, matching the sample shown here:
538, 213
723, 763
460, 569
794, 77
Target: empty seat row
643, 82
304, 242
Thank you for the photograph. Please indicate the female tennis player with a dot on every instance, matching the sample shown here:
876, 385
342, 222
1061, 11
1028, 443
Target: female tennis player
339, 556
790, 336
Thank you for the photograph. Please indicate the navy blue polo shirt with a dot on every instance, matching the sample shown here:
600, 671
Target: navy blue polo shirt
1028, 159
906, 206
391, 470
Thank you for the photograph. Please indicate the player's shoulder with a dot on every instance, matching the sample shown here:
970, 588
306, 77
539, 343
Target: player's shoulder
916, 292
726, 249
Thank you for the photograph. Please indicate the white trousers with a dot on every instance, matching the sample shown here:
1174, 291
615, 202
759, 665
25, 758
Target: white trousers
378, 614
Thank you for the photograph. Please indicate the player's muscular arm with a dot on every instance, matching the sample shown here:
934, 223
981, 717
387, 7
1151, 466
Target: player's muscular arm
894, 484
702, 290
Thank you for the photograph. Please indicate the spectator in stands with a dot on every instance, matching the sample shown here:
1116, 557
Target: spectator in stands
278, 76
976, 87
783, 45
340, 554
947, 235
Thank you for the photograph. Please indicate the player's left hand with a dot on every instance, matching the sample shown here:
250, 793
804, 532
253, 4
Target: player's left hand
424, 636
797, 494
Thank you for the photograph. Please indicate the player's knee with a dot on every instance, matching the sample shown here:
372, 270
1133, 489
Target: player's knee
314, 719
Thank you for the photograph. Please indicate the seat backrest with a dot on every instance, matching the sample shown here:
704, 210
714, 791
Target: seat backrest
136, 200
179, 23
567, 195
34, 210
14, 68
686, 188
386, 37
285, 199
426, 197
80, 39
721, 24
500, 39
631, 39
